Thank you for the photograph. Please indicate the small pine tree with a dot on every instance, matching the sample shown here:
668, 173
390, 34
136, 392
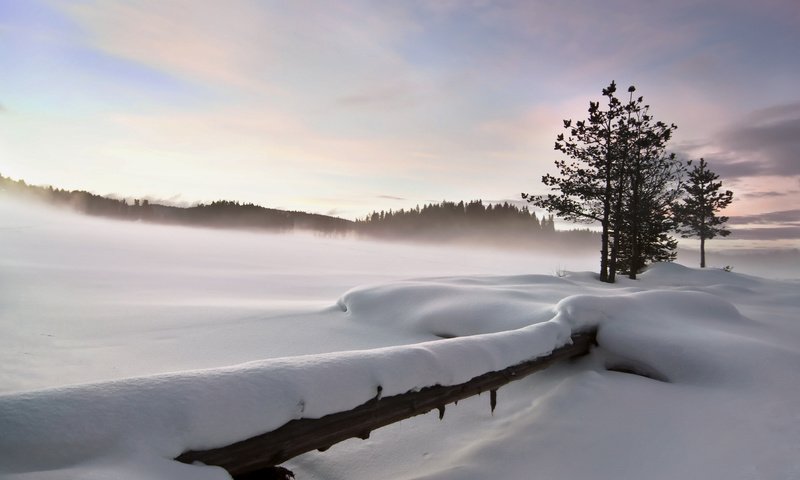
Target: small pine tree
696, 216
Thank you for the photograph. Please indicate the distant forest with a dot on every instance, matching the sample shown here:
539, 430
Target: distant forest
469, 223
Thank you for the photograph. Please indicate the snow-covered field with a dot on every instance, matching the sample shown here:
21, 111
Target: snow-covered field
122, 344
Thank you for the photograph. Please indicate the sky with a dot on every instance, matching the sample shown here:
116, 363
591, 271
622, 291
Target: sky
347, 107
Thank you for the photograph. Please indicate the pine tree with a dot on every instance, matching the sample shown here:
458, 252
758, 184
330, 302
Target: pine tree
651, 185
586, 185
621, 177
650, 241
696, 215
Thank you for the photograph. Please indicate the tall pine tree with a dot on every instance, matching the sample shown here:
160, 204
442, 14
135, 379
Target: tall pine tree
651, 185
619, 176
697, 214
585, 186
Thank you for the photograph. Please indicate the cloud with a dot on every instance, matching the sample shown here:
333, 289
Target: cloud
256, 48
391, 197
207, 45
786, 217
769, 194
390, 95
766, 233
767, 142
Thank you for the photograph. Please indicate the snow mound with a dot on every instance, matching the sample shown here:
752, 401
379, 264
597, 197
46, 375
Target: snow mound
455, 307
681, 385
665, 274
161, 416
680, 337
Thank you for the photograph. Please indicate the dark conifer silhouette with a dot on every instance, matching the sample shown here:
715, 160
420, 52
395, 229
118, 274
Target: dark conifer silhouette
585, 186
471, 222
619, 176
449, 218
219, 214
697, 214
650, 184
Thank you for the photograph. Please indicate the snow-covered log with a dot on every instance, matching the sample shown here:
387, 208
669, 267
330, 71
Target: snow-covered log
307, 434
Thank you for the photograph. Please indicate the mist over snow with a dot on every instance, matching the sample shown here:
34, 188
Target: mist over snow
124, 344
90, 299
770, 262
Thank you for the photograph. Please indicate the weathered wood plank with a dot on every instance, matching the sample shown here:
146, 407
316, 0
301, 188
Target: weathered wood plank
306, 434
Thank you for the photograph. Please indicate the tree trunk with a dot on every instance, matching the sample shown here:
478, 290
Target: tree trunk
635, 214
702, 252
607, 264
612, 263
703, 242
612, 268
604, 253
604, 266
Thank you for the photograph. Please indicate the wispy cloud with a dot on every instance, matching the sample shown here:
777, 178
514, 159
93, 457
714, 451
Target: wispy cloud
769, 194
766, 233
245, 44
787, 217
381, 96
207, 44
767, 142
764, 142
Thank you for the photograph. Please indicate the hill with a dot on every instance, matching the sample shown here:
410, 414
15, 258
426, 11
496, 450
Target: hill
474, 222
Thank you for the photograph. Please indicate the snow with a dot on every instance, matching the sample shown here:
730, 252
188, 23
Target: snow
122, 345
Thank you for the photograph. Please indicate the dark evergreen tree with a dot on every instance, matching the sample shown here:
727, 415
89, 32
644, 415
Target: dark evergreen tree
697, 214
452, 220
585, 186
650, 241
651, 184
621, 177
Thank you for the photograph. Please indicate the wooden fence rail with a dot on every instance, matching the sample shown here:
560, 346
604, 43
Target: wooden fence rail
306, 434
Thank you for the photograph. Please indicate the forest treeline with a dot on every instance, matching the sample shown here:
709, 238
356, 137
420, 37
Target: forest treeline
218, 214
471, 222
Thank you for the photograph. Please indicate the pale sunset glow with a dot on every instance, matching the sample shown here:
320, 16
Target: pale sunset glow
348, 107
399, 239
